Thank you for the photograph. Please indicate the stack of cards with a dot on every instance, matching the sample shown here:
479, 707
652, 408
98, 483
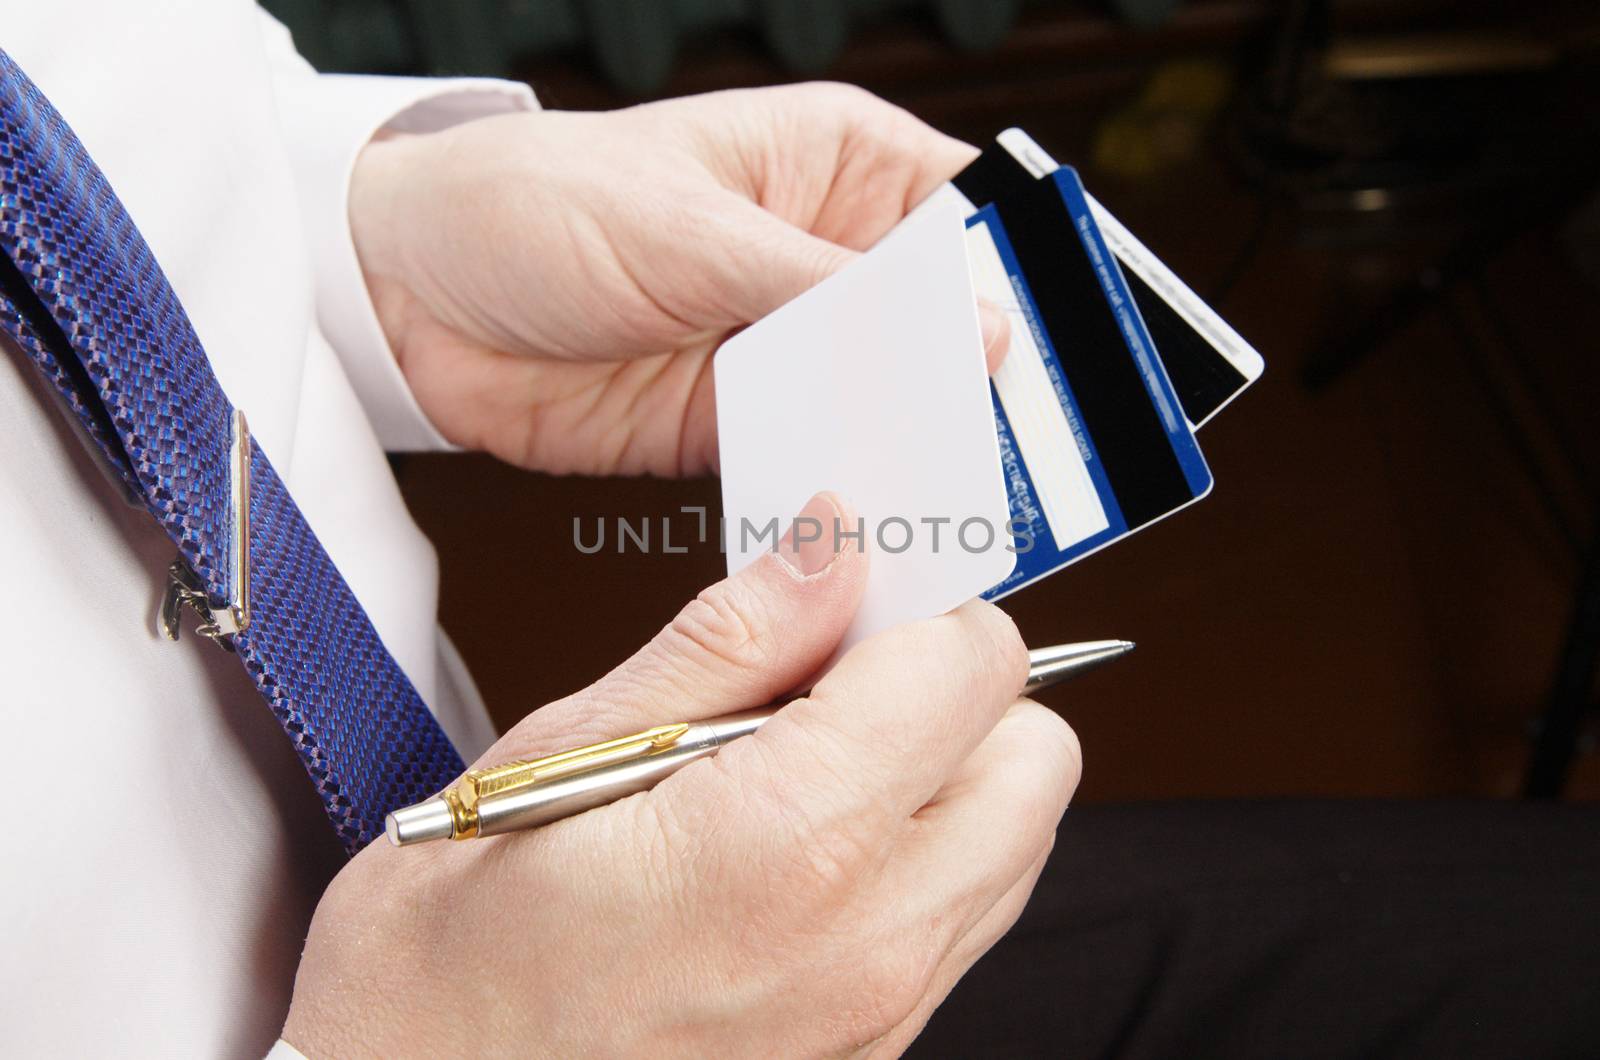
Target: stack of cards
1114, 361
872, 384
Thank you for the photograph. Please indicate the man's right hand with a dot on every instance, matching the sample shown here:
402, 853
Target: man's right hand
815, 889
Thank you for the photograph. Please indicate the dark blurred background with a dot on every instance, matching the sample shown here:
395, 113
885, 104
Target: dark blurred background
1392, 590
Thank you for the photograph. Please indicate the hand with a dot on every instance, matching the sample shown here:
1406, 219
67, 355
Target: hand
815, 889
554, 284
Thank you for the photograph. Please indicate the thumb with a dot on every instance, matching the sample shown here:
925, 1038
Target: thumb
760, 261
772, 262
741, 643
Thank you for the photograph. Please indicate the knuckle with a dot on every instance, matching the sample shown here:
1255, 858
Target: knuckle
840, 94
855, 109
723, 625
993, 658
1051, 747
834, 860
838, 727
1006, 650
856, 750
596, 713
818, 872
1071, 753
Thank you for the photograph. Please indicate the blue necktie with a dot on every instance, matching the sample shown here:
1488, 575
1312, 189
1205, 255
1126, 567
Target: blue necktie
83, 297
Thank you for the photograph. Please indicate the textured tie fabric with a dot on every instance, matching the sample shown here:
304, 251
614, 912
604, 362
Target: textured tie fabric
83, 297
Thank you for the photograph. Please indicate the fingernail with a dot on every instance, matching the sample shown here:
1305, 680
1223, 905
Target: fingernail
991, 322
993, 325
811, 543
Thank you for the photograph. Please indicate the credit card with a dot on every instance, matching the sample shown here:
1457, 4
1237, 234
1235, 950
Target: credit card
1208, 362
1093, 438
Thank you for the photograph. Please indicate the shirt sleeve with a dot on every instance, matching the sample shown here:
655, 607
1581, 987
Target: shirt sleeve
282, 1050
327, 120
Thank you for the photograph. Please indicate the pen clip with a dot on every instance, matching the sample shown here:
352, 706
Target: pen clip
463, 796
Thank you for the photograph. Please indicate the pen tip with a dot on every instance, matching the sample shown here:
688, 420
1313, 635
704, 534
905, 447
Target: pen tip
1058, 662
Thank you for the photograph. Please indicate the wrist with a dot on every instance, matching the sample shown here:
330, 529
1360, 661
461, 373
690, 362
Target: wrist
375, 182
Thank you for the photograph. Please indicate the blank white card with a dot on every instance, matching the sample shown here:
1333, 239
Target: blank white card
872, 384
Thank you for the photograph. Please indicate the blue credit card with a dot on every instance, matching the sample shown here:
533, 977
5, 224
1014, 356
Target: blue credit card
1093, 438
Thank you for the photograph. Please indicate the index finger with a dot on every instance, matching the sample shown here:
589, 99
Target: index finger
891, 722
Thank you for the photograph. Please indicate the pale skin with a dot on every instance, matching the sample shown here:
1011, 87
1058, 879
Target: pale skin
554, 285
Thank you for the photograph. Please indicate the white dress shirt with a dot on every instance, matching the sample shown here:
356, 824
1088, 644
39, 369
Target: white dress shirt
165, 847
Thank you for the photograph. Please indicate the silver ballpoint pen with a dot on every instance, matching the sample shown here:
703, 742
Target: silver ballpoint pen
520, 795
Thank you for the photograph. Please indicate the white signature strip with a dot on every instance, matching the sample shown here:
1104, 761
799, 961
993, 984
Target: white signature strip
1049, 448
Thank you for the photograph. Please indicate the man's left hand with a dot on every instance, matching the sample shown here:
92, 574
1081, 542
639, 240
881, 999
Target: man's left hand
554, 283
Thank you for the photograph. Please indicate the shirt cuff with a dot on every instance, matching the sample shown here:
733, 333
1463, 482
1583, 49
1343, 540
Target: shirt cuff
328, 119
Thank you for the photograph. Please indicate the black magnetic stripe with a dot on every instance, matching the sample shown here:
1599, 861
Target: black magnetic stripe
1116, 408
991, 176
1201, 376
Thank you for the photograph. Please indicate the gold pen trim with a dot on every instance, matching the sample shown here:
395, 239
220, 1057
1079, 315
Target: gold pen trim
463, 796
